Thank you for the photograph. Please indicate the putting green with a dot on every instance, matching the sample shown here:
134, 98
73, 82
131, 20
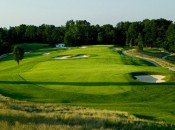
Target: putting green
102, 80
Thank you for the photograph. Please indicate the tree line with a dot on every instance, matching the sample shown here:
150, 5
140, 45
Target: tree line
148, 33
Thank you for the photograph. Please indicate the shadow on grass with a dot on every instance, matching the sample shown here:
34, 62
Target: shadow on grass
11, 57
87, 83
145, 117
155, 53
32, 54
16, 95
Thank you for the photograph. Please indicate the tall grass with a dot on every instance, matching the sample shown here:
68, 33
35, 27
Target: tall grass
17, 115
161, 62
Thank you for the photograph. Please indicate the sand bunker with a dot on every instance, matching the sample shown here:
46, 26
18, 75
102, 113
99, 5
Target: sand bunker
79, 56
150, 78
171, 68
45, 54
61, 57
83, 47
69, 57
27, 52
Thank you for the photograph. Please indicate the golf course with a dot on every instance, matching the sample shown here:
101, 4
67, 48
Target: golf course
98, 77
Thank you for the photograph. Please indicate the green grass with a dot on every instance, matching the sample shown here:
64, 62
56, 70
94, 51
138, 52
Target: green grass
102, 81
159, 53
171, 59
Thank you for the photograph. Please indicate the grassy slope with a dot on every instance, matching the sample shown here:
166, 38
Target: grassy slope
19, 115
101, 81
159, 53
155, 52
171, 58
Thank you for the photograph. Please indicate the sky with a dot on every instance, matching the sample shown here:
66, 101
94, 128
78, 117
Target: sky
58, 12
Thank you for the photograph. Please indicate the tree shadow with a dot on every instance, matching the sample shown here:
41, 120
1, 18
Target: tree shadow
30, 54
145, 117
86, 83
11, 57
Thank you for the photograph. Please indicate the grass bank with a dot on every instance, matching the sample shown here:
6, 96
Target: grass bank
29, 116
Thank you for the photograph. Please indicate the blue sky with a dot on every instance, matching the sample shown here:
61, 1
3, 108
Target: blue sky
57, 12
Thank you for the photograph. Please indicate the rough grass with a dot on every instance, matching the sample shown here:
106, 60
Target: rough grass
152, 57
171, 58
103, 81
30, 116
156, 52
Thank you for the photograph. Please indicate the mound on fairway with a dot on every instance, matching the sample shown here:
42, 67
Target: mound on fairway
102, 81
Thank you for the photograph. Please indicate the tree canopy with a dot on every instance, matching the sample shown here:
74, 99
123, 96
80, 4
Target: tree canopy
155, 33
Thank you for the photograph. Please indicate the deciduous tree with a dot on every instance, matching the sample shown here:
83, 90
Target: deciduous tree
18, 53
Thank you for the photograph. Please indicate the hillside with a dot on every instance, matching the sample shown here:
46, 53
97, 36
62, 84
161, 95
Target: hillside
26, 115
102, 80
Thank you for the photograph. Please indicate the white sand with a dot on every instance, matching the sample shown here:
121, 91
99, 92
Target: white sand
69, 57
171, 68
61, 57
83, 47
117, 49
150, 78
80, 56
45, 54
27, 52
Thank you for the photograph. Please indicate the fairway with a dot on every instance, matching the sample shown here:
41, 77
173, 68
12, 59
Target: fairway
103, 80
